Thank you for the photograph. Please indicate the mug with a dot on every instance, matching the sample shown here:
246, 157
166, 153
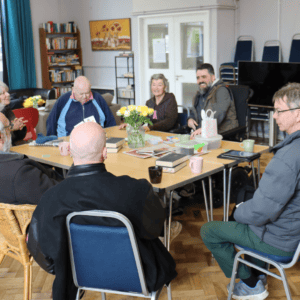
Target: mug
196, 164
248, 145
155, 174
64, 148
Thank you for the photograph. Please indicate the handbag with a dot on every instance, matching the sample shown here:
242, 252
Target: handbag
208, 124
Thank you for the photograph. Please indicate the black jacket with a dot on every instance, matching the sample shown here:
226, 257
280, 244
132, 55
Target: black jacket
22, 180
89, 187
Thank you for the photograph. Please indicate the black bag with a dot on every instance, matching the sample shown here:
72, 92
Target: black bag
46, 263
244, 194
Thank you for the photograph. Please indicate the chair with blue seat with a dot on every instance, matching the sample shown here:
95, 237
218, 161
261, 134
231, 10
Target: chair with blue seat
106, 258
272, 51
279, 262
244, 50
295, 49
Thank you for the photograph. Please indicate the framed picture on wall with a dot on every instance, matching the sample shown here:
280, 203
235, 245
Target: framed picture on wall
111, 35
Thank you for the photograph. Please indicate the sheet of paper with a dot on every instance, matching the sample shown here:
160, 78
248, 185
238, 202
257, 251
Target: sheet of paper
159, 50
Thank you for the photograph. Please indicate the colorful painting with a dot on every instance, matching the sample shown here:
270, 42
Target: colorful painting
110, 35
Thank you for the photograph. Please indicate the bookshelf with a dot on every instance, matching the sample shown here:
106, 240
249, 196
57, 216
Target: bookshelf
61, 59
125, 80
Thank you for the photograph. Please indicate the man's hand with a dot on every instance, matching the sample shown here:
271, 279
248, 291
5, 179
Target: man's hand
198, 131
192, 124
123, 126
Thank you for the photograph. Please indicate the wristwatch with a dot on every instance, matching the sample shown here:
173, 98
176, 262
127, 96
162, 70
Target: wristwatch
11, 126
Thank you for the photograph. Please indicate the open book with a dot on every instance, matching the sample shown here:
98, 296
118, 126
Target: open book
155, 151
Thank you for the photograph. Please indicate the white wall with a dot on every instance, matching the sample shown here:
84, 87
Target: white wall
42, 11
99, 66
153, 6
260, 20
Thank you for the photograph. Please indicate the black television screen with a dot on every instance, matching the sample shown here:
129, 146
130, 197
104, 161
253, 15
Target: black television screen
266, 78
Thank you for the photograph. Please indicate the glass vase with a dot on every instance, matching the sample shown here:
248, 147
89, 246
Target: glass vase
135, 136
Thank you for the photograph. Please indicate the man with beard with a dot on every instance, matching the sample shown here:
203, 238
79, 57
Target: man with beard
212, 94
22, 180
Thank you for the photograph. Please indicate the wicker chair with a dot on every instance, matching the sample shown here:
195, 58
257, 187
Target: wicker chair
14, 220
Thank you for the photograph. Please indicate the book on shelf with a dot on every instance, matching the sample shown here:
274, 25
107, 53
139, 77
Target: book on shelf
114, 142
171, 160
51, 27
174, 169
114, 150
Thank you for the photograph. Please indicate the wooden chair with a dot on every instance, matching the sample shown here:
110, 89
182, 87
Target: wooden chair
14, 220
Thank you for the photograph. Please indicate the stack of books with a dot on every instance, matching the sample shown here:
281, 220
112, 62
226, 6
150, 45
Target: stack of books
172, 162
114, 144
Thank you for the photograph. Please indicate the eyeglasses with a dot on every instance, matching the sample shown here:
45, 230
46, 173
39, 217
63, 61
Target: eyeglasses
281, 111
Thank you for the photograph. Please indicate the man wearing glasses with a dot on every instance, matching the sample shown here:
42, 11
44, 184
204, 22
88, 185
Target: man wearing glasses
270, 221
22, 180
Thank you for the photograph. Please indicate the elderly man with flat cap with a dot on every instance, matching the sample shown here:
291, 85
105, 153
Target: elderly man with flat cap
87, 186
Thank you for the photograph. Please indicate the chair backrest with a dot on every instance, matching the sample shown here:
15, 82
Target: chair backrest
184, 115
295, 48
105, 258
272, 51
244, 49
241, 95
31, 115
181, 124
14, 220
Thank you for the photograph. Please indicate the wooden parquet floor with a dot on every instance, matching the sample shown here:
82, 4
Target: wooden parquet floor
199, 276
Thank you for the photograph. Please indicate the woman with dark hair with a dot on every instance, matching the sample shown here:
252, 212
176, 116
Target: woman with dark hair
17, 125
164, 105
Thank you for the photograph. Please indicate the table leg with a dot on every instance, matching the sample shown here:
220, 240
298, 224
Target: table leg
258, 170
211, 198
253, 172
64, 173
166, 222
170, 220
228, 194
272, 130
205, 200
224, 196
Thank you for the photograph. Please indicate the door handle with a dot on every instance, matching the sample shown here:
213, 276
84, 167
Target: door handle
177, 76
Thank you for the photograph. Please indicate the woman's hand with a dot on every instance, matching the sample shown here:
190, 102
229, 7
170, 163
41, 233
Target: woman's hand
146, 128
18, 124
196, 132
192, 124
123, 126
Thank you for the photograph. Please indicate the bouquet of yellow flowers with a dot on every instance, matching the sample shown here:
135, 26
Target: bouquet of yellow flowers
136, 116
33, 101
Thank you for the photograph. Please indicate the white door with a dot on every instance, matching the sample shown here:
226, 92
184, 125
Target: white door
173, 45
